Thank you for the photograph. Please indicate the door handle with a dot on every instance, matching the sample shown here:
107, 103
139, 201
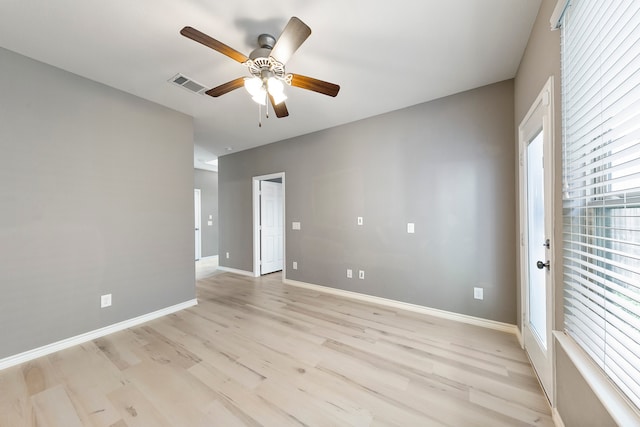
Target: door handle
197, 229
542, 265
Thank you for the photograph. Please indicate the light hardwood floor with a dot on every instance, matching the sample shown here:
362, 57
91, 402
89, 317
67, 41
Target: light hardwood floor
258, 352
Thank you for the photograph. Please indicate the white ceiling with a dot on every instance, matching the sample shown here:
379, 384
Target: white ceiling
385, 55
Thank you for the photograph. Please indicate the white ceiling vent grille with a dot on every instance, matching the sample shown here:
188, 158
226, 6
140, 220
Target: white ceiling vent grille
187, 83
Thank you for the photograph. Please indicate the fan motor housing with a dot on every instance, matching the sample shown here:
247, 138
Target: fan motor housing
266, 43
261, 52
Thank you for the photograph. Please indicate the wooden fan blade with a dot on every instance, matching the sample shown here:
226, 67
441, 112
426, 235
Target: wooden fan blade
280, 109
226, 87
292, 37
214, 44
315, 85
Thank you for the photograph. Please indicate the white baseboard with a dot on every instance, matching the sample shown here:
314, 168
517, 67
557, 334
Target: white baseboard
236, 271
88, 336
477, 321
209, 258
557, 419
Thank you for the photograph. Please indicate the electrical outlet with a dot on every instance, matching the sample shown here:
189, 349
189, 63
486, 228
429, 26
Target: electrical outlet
295, 265
411, 228
105, 301
360, 274
295, 225
349, 273
227, 255
360, 220
478, 293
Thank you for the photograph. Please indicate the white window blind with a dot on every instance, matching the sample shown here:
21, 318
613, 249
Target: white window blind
601, 183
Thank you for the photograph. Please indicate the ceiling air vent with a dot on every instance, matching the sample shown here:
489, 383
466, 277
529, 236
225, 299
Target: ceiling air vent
187, 83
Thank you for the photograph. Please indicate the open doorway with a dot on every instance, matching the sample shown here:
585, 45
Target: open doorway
268, 224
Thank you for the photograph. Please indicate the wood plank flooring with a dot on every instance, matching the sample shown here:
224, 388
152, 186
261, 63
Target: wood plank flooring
256, 352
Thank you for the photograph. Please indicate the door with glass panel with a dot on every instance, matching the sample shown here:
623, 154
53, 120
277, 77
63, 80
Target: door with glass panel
536, 230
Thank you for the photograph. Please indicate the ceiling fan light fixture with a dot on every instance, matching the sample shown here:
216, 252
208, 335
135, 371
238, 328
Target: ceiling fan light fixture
253, 85
276, 90
279, 98
261, 96
256, 89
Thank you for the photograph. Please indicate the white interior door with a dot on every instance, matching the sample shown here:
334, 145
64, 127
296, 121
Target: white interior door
271, 227
197, 212
536, 228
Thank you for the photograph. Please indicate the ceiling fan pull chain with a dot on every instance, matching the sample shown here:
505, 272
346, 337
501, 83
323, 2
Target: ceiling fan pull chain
259, 115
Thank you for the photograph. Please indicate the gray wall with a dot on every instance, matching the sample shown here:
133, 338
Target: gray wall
445, 165
575, 401
96, 197
207, 182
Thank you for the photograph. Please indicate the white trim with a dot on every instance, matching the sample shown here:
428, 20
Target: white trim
520, 338
463, 318
557, 419
540, 116
255, 185
236, 271
92, 335
558, 14
209, 258
197, 195
614, 402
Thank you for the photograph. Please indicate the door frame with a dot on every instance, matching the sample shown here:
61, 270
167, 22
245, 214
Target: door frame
197, 197
541, 111
256, 222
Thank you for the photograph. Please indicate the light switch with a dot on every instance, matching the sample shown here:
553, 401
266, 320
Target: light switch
360, 221
411, 228
210, 216
295, 225
105, 301
295, 265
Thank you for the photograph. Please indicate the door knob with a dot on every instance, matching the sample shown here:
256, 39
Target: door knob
542, 265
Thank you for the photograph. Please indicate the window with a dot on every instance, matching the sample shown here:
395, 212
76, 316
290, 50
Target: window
601, 184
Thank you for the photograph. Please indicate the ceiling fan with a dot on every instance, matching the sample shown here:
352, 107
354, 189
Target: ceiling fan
266, 64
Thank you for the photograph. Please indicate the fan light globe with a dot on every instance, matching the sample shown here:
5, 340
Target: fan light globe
261, 96
276, 90
253, 85
256, 89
